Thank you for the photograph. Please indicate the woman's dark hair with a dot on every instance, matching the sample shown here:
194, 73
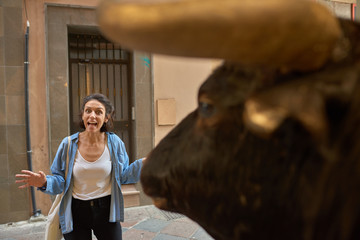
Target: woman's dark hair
109, 110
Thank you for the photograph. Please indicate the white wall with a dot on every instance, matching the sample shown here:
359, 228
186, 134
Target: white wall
178, 78
341, 8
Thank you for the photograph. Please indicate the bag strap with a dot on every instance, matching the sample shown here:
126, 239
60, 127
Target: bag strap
67, 158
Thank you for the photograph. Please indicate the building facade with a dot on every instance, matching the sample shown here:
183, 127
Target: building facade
68, 59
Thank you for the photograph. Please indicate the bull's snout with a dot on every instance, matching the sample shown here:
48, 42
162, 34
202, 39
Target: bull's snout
154, 185
163, 173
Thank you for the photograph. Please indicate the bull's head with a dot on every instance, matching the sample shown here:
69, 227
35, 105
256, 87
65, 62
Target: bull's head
272, 151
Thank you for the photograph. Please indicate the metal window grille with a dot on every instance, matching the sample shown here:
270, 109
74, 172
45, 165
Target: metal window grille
99, 66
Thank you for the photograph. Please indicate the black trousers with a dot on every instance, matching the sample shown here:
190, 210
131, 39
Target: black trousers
93, 215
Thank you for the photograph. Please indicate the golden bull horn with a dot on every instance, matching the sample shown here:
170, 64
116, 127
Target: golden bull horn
290, 34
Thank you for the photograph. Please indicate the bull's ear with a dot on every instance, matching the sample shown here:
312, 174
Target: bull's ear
265, 111
304, 100
288, 34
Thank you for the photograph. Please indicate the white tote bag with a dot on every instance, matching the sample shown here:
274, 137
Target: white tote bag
53, 230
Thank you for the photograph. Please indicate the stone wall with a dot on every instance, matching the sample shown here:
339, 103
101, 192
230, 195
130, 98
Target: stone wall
14, 203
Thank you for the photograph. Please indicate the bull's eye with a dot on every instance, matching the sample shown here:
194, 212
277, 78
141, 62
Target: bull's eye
205, 109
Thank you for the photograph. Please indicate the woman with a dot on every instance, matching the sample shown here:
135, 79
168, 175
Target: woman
98, 165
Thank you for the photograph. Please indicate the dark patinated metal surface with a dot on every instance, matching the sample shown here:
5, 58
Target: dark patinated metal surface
268, 154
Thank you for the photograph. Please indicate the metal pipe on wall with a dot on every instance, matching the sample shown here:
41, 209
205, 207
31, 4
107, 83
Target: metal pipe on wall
36, 212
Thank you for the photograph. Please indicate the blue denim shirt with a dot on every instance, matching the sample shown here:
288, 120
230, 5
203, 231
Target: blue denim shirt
122, 173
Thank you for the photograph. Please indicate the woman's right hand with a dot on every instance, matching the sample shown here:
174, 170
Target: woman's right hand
30, 178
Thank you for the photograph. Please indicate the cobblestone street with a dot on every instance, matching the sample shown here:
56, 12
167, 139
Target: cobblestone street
143, 223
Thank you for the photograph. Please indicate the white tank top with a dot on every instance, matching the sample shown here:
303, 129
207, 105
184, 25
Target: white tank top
92, 179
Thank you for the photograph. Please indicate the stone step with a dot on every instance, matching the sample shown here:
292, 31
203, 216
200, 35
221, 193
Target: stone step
131, 195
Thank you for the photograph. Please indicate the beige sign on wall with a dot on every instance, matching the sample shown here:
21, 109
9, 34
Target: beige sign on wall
166, 112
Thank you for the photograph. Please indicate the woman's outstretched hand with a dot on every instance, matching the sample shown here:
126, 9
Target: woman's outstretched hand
30, 178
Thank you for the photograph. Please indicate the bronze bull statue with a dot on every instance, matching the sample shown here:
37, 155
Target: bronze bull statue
273, 149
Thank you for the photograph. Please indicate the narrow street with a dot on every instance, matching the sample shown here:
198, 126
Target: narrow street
143, 223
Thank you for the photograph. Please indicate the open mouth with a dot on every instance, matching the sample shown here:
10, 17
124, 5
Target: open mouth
94, 124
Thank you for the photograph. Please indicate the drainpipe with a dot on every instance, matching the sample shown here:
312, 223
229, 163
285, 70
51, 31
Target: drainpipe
36, 212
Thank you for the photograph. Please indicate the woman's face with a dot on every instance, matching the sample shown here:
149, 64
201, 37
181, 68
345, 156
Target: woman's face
94, 116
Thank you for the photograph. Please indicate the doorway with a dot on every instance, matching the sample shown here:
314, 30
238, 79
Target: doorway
97, 65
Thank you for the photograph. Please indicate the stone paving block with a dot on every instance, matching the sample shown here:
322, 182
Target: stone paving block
201, 234
180, 229
129, 224
152, 225
154, 212
14, 231
138, 213
38, 228
185, 219
137, 234
35, 236
168, 237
